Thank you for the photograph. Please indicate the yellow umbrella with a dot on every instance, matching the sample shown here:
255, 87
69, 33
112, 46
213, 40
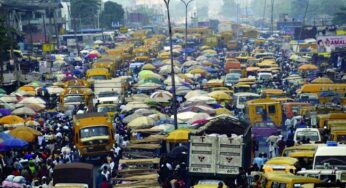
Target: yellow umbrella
28, 89
180, 135
204, 48
141, 123
25, 133
209, 52
148, 67
220, 95
220, 111
322, 80
306, 67
31, 123
11, 120
198, 71
168, 61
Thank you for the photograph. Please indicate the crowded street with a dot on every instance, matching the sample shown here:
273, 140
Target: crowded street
169, 100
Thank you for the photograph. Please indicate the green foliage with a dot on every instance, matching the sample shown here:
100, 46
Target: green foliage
8, 37
84, 12
112, 12
340, 16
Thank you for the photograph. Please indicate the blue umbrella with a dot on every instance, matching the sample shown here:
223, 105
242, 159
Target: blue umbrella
4, 112
10, 142
77, 72
211, 70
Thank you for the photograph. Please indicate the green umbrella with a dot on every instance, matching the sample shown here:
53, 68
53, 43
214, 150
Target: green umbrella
2, 91
150, 80
36, 84
144, 72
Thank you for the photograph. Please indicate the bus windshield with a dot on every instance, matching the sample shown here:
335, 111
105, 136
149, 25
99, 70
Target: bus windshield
94, 131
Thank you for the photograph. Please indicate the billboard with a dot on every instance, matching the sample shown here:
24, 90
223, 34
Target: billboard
330, 43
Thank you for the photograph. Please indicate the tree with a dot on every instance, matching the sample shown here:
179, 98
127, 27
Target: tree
113, 12
84, 12
8, 40
339, 17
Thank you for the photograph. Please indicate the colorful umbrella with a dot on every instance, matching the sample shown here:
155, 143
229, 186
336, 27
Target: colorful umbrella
161, 95
12, 120
25, 133
220, 95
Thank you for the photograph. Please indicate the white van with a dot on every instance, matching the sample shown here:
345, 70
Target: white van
330, 156
240, 99
264, 76
312, 134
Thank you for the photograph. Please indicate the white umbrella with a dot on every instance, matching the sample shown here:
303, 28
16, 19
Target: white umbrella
194, 93
177, 80
54, 90
202, 98
9, 99
166, 69
185, 116
198, 116
133, 105
98, 42
23, 111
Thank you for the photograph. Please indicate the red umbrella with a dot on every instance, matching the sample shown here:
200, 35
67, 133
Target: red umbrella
92, 56
68, 78
199, 122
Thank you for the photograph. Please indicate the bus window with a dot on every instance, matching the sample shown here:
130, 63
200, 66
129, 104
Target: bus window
271, 109
259, 110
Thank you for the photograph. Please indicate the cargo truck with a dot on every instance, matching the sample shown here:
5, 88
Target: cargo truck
219, 148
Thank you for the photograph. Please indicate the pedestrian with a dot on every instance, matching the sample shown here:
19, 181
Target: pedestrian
241, 179
281, 145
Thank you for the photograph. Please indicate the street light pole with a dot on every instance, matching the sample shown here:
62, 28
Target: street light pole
186, 3
174, 99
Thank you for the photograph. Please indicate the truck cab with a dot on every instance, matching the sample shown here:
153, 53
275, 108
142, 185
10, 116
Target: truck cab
93, 134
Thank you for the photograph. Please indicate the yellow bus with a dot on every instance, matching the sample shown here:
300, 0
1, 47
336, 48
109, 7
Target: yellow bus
260, 110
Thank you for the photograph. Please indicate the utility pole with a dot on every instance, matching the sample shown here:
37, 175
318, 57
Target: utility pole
303, 24
74, 29
272, 18
56, 29
186, 3
44, 26
174, 99
264, 12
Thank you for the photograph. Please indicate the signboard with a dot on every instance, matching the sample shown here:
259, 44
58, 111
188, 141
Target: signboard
330, 43
341, 32
48, 47
203, 154
71, 42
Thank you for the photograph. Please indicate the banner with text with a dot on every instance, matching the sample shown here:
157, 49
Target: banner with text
330, 43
